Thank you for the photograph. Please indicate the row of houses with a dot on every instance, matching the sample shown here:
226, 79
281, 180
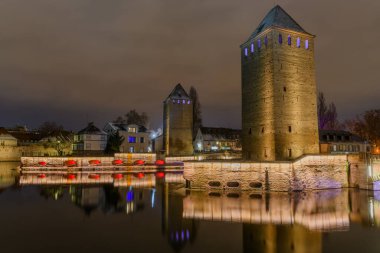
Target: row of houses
138, 139
17, 142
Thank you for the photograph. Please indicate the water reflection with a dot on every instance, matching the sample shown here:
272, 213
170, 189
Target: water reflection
268, 222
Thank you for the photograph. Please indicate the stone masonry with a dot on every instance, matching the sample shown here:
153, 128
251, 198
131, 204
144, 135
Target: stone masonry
279, 110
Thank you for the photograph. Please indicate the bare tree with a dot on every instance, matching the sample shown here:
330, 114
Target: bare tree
197, 113
327, 115
133, 117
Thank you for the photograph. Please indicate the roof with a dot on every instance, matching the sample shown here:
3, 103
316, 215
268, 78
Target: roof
30, 136
217, 133
178, 93
91, 129
347, 136
124, 127
277, 17
5, 135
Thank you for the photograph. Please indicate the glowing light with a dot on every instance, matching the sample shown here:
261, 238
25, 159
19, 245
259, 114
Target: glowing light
307, 44
246, 51
130, 196
259, 43
252, 48
289, 40
298, 42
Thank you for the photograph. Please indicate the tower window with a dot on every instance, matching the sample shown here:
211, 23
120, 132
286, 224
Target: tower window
252, 48
246, 51
290, 152
298, 42
289, 40
280, 38
188, 102
259, 43
284, 88
290, 129
178, 101
266, 41
250, 131
184, 101
262, 130
307, 44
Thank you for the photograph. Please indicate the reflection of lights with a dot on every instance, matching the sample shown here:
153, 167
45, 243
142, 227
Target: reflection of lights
187, 234
160, 174
153, 196
130, 196
371, 212
129, 207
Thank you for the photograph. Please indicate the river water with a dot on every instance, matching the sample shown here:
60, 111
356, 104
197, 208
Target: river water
154, 213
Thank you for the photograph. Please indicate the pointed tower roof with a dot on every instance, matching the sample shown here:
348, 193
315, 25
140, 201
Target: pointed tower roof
277, 17
178, 93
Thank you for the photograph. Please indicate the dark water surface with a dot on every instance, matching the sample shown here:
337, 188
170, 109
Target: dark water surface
154, 213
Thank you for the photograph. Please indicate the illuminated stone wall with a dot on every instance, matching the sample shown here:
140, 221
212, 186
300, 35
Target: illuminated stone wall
307, 173
279, 110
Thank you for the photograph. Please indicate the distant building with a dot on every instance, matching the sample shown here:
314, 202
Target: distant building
23, 142
90, 140
212, 139
341, 142
279, 94
178, 123
6, 139
136, 138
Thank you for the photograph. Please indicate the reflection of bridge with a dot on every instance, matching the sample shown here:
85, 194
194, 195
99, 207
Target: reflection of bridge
316, 211
95, 178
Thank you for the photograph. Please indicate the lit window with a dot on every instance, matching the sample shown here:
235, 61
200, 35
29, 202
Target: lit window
188, 102
178, 101
252, 48
131, 149
280, 38
131, 139
289, 40
307, 44
173, 101
132, 129
298, 42
259, 43
184, 101
266, 41
246, 51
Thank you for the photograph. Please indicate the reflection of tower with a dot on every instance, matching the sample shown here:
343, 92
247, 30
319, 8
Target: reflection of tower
279, 111
177, 229
87, 197
281, 239
178, 123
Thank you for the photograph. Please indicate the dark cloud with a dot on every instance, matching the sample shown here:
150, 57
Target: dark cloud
78, 60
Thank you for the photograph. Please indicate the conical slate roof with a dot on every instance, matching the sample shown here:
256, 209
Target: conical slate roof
178, 93
277, 17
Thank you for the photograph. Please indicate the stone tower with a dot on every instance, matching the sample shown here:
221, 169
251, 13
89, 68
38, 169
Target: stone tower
279, 110
178, 123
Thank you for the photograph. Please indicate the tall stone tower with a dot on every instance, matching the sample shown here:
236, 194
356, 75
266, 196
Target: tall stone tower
279, 110
178, 123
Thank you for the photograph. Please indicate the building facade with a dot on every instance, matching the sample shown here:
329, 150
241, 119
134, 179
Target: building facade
178, 123
279, 109
215, 139
90, 140
136, 138
341, 142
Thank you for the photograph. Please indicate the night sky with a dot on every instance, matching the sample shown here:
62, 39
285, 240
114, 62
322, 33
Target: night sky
76, 61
